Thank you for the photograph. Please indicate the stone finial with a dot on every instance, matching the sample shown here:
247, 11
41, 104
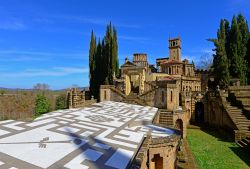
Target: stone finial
126, 60
206, 88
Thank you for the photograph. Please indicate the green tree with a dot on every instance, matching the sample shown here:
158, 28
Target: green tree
42, 105
244, 30
92, 52
103, 59
248, 60
61, 102
115, 53
2, 92
237, 53
220, 61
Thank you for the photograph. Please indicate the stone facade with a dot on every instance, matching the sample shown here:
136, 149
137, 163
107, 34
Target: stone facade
171, 88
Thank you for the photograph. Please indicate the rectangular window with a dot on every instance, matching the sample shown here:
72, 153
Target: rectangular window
105, 94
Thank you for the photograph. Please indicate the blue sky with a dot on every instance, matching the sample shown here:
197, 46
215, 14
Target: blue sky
47, 41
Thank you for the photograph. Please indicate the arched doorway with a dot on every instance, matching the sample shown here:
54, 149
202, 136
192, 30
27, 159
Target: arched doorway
199, 112
179, 126
158, 162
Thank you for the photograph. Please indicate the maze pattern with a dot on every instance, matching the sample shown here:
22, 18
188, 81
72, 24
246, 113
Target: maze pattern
106, 135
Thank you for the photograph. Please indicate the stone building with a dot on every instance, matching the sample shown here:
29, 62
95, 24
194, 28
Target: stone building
169, 87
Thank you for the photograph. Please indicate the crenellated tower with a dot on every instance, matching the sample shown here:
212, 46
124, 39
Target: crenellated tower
175, 49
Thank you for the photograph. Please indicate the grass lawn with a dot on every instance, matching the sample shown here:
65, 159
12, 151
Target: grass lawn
212, 150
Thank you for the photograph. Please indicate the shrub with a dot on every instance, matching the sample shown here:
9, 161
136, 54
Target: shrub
42, 105
61, 102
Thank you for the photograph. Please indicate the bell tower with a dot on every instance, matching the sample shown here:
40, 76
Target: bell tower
175, 49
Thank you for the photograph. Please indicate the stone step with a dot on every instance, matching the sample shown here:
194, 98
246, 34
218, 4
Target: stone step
235, 110
243, 95
243, 144
246, 140
238, 115
243, 128
240, 144
167, 118
246, 121
242, 124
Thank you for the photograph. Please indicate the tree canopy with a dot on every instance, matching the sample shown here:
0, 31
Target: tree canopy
103, 60
231, 58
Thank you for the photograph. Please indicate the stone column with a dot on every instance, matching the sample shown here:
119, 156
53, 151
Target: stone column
127, 85
141, 81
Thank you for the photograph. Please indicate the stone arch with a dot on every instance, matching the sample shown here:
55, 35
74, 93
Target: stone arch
179, 126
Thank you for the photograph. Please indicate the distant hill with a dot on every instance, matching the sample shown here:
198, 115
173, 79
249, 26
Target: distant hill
57, 90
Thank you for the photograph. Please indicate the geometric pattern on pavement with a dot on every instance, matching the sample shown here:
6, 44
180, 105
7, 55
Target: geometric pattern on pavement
106, 135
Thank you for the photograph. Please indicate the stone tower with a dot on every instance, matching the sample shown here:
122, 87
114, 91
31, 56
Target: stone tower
175, 49
140, 59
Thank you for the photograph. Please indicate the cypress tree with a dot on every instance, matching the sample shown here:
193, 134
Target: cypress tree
220, 62
92, 60
103, 60
115, 53
248, 60
98, 69
243, 28
227, 42
237, 53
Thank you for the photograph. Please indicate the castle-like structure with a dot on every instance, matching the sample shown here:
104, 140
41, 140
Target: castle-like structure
168, 86
180, 92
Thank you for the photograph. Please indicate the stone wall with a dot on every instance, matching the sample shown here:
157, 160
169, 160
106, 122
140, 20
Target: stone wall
76, 99
157, 153
217, 114
110, 93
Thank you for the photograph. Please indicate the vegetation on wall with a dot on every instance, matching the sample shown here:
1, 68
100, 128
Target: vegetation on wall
231, 58
103, 60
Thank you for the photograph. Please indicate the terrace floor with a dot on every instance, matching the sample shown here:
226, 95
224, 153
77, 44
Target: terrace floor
106, 135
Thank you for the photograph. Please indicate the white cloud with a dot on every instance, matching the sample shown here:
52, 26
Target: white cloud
55, 71
12, 25
132, 38
26, 55
86, 20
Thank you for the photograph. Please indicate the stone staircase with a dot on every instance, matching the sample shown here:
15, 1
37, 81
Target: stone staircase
239, 118
244, 143
166, 118
240, 96
133, 98
239, 110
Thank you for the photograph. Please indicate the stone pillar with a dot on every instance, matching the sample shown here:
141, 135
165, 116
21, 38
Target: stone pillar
141, 81
127, 85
